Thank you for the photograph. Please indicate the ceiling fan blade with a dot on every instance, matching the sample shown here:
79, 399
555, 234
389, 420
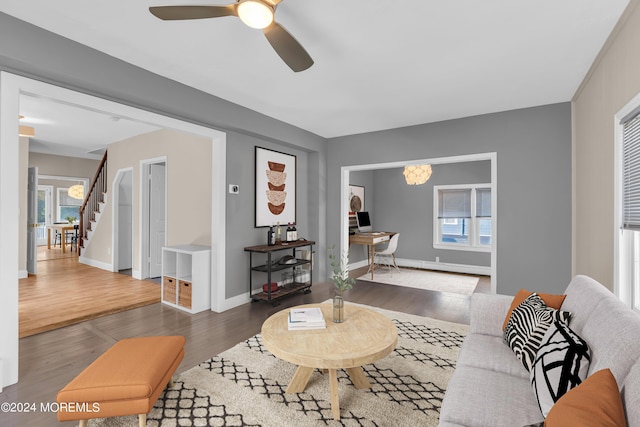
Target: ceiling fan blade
291, 52
169, 13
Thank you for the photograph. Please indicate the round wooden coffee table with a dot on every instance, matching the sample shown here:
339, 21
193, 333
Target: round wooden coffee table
364, 337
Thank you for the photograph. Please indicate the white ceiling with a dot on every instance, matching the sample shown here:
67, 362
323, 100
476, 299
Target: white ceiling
378, 65
70, 130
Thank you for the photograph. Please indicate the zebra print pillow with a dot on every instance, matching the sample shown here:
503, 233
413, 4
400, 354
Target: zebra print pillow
527, 326
561, 364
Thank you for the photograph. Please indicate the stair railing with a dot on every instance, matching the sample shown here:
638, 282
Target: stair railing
92, 200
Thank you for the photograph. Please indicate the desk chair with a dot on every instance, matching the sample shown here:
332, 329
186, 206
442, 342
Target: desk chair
387, 256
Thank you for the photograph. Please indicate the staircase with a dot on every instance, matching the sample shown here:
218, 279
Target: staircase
93, 204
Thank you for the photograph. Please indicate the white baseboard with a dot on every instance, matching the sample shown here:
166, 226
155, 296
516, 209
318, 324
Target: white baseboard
358, 264
136, 274
94, 263
437, 266
233, 302
23, 274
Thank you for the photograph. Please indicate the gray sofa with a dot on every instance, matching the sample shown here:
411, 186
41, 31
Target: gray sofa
490, 387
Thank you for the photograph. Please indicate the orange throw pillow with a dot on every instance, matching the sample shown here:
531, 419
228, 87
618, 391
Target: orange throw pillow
595, 402
553, 301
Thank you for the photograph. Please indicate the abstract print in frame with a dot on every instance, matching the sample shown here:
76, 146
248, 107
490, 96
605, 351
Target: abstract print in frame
275, 187
356, 198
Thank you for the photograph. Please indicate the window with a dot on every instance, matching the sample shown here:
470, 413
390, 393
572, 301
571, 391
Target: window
629, 242
67, 206
44, 212
462, 217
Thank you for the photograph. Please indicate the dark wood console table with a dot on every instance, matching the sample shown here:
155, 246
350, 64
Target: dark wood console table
271, 265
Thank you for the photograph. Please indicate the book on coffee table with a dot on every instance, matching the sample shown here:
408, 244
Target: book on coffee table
306, 318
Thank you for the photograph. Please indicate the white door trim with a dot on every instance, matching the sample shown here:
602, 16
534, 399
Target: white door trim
32, 219
11, 86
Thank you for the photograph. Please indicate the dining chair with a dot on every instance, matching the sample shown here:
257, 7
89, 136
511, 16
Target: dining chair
57, 237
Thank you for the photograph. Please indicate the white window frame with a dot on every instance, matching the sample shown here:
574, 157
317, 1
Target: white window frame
474, 244
626, 283
60, 190
48, 213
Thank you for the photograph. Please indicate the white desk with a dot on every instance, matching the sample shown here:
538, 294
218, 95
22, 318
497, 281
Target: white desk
62, 229
370, 240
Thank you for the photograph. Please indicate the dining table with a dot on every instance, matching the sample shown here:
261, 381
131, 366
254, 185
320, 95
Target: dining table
62, 229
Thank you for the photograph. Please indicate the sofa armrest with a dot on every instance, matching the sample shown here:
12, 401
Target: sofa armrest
488, 313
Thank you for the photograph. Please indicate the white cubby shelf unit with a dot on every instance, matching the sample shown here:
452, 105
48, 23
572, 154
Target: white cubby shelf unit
186, 277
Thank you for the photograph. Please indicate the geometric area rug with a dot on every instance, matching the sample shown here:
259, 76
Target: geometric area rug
245, 386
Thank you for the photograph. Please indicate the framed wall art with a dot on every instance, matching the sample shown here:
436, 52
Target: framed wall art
275, 187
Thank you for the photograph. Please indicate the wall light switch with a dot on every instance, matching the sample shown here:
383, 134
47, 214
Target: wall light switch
234, 189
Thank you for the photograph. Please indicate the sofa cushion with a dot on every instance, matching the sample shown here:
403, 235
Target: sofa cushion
553, 301
583, 296
562, 363
527, 326
487, 312
595, 402
489, 352
481, 398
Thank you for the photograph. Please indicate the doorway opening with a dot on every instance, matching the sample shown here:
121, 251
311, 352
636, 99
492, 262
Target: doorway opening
12, 87
345, 208
123, 222
154, 215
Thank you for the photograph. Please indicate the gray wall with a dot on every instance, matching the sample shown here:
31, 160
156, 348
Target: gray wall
241, 211
533, 147
408, 210
36, 53
363, 179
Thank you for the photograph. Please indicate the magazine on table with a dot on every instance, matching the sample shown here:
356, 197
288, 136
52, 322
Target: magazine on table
306, 318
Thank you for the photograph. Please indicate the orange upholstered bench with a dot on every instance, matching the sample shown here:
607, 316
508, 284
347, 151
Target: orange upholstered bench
126, 380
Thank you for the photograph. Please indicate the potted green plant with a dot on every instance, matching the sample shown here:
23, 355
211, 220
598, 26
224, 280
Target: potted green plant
341, 281
70, 219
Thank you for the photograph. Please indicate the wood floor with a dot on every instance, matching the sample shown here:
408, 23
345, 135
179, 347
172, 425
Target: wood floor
66, 292
49, 360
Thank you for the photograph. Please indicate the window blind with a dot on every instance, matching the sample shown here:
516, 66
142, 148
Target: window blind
454, 203
483, 203
631, 171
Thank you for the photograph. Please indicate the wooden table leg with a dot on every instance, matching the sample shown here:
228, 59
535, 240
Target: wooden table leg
299, 380
358, 378
373, 259
335, 398
48, 238
63, 240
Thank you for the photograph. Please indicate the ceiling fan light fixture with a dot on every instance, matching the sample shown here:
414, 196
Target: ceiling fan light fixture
255, 14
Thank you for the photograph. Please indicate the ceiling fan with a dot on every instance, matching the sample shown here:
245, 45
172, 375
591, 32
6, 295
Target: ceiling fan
257, 14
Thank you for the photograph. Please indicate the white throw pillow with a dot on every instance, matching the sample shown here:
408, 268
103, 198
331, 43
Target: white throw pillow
562, 363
